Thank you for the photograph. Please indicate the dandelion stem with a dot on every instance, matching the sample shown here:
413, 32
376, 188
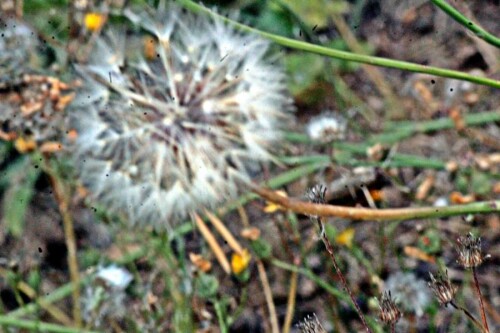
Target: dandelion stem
330, 250
69, 235
480, 296
357, 213
470, 316
460, 18
344, 55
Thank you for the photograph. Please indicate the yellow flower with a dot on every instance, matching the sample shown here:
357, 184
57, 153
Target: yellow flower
240, 261
24, 145
271, 207
94, 21
345, 237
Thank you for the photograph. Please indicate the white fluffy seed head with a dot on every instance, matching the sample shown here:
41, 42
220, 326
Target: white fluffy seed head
326, 127
162, 137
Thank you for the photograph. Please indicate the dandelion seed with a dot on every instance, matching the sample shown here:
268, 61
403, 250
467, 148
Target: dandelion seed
189, 126
326, 128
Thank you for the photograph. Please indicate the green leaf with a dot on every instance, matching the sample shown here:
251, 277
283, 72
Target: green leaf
273, 19
300, 79
261, 248
18, 195
480, 183
34, 279
430, 241
317, 12
206, 286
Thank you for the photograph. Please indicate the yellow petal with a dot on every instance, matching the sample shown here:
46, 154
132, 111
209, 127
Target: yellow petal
240, 261
94, 21
345, 237
271, 207
25, 145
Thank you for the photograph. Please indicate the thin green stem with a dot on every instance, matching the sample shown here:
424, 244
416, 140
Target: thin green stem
313, 277
67, 289
399, 130
220, 316
38, 326
348, 56
463, 20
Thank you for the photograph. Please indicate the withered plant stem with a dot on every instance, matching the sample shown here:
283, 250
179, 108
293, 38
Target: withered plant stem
330, 250
69, 236
480, 296
361, 213
470, 316
273, 317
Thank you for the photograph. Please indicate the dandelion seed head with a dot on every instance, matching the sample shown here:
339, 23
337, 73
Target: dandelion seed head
326, 127
176, 133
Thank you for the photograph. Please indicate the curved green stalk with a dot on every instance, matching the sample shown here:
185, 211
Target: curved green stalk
460, 18
349, 56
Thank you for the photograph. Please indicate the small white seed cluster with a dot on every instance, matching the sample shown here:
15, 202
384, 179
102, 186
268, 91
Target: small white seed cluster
163, 136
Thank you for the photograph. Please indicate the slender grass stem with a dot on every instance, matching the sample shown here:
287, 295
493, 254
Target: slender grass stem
480, 296
273, 317
399, 130
37, 326
470, 316
348, 56
331, 252
356, 213
313, 277
290, 308
69, 235
65, 290
463, 20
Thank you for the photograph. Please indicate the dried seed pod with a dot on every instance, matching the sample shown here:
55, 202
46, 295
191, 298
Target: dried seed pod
389, 311
442, 288
311, 324
469, 251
